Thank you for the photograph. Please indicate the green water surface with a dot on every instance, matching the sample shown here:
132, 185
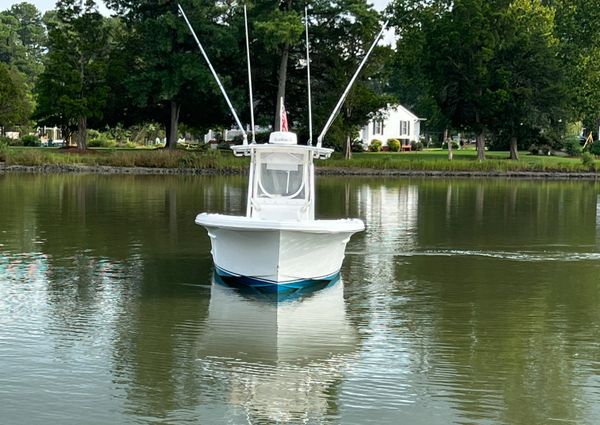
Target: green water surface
463, 302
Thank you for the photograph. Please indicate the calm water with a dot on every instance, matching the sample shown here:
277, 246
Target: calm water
464, 301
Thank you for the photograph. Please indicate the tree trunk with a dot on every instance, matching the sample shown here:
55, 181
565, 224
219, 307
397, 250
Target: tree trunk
65, 134
172, 127
514, 154
450, 154
82, 133
348, 148
480, 142
282, 77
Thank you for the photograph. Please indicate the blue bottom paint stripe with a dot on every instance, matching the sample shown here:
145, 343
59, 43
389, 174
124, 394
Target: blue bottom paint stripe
237, 280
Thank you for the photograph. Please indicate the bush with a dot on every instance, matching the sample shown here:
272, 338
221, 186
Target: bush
375, 146
3, 149
358, 146
13, 142
572, 147
595, 148
31, 140
540, 149
100, 140
416, 146
393, 145
454, 145
587, 159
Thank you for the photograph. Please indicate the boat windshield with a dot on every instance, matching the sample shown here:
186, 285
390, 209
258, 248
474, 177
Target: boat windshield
281, 175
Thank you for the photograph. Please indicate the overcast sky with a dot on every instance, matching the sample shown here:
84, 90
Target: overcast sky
44, 5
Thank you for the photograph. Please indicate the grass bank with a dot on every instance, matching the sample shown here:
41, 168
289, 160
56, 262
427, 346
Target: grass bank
146, 158
464, 160
431, 160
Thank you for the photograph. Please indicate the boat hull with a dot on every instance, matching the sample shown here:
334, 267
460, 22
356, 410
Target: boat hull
279, 254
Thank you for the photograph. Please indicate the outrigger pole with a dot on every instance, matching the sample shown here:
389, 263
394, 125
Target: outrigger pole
249, 74
237, 120
337, 108
310, 129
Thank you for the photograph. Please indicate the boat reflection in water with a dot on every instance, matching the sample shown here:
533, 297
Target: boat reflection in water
281, 357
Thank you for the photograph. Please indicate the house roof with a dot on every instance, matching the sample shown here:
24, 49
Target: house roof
400, 108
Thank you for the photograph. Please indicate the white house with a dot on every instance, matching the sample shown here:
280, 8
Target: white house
398, 123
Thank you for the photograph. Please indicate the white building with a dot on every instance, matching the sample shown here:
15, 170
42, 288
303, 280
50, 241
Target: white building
398, 123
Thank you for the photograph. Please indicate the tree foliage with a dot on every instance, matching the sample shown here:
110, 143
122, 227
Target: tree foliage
577, 29
15, 104
492, 67
507, 70
24, 37
340, 33
73, 87
528, 91
168, 78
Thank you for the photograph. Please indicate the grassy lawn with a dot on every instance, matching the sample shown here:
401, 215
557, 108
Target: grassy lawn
464, 160
426, 160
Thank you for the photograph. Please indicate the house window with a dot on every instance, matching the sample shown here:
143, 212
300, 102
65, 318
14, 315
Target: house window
378, 127
404, 128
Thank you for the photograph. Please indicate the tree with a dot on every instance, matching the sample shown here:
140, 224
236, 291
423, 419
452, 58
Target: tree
279, 27
168, 78
27, 39
72, 88
15, 104
340, 34
461, 46
409, 80
527, 91
577, 30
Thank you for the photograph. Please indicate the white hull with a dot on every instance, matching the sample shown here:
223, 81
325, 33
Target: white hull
278, 252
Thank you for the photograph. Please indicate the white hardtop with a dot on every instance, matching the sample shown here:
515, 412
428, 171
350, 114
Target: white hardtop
281, 141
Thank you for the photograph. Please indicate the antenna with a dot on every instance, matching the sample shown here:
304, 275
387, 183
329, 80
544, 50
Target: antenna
336, 110
249, 75
237, 120
310, 130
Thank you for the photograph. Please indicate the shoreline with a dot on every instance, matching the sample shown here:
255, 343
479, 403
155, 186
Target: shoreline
322, 171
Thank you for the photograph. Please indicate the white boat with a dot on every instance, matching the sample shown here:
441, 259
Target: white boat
279, 244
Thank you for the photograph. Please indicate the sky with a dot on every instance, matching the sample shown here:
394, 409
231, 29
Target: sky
44, 5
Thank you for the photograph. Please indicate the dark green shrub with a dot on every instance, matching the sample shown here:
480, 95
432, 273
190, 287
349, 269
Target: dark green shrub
587, 159
454, 145
595, 148
394, 145
375, 146
3, 149
358, 146
416, 146
572, 147
14, 142
31, 140
539, 149
97, 139
534, 149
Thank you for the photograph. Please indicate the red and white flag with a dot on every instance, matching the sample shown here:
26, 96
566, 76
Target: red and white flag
283, 126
